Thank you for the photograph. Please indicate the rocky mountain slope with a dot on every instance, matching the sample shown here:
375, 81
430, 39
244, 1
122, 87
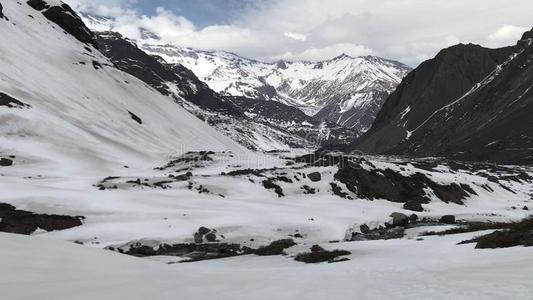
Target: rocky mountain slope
345, 90
468, 102
65, 100
256, 124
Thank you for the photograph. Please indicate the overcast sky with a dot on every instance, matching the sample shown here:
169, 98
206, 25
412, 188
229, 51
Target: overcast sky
406, 30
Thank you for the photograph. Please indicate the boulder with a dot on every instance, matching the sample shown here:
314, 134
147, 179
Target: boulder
448, 219
13, 220
413, 205
275, 248
203, 230
413, 218
10, 102
315, 176
198, 238
364, 229
4, 162
133, 116
211, 237
268, 184
399, 219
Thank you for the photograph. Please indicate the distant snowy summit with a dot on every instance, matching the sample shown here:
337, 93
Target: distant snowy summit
345, 90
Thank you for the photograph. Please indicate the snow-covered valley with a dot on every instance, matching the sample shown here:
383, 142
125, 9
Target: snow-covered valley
79, 263
113, 190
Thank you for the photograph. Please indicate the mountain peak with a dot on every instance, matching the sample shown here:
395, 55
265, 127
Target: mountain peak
149, 35
343, 56
65, 17
280, 64
528, 35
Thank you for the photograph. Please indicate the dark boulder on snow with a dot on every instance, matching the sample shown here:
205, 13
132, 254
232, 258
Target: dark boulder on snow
65, 17
448, 219
399, 219
97, 65
198, 238
275, 248
315, 176
270, 185
13, 220
203, 230
135, 117
5, 162
413, 205
10, 102
38, 4
364, 229
211, 237
205, 234
413, 218
1, 12
337, 190
319, 254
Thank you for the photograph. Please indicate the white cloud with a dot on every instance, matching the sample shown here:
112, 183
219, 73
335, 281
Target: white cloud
315, 54
507, 34
406, 30
295, 36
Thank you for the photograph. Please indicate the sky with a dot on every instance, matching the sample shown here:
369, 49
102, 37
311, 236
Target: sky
409, 31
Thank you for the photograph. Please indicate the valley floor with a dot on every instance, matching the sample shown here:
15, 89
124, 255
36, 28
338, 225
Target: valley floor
436, 268
121, 210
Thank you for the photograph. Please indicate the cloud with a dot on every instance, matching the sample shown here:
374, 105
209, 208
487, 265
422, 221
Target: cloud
421, 50
507, 34
316, 54
407, 30
296, 36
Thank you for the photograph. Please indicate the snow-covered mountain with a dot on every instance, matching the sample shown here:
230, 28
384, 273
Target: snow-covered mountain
88, 181
73, 103
345, 90
256, 124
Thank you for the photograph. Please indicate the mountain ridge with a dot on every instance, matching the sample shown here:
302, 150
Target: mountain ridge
278, 127
468, 103
345, 90
328, 89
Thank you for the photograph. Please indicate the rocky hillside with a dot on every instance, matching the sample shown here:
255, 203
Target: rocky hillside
345, 90
469, 102
62, 100
256, 124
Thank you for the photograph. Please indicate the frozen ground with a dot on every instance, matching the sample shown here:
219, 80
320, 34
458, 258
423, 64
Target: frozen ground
436, 268
50, 266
